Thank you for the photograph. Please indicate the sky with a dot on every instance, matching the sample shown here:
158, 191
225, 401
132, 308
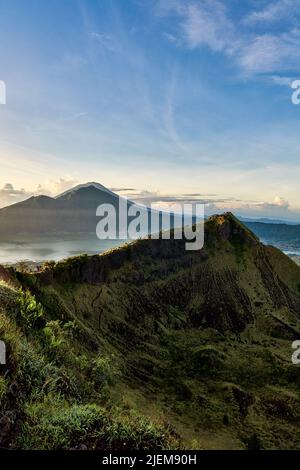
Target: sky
168, 98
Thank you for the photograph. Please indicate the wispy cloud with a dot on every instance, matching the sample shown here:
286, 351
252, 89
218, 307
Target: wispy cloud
214, 203
55, 124
204, 23
210, 24
171, 38
273, 12
106, 41
150, 197
169, 113
282, 81
269, 52
122, 190
55, 187
207, 24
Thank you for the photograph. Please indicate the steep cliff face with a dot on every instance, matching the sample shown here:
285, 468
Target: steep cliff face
202, 339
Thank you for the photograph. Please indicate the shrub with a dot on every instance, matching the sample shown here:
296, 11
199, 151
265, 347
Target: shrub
31, 310
58, 341
54, 424
49, 265
253, 442
23, 267
102, 371
52, 336
133, 431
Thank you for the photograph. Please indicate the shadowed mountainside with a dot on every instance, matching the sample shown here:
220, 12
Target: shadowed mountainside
194, 345
72, 212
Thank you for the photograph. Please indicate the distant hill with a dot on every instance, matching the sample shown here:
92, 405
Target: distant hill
266, 220
286, 237
153, 347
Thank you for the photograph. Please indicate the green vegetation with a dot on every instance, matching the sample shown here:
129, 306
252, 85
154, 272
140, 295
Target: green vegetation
31, 310
54, 424
58, 392
151, 347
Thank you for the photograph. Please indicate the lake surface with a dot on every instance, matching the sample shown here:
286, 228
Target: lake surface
52, 248
289, 248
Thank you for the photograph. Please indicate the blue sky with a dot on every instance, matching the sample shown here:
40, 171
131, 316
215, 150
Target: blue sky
167, 97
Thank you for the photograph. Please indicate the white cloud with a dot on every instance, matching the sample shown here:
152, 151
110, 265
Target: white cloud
281, 202
208, 24
269, 53
274, 11
55, 187
279, 208
202, 23
282, 81
9, 195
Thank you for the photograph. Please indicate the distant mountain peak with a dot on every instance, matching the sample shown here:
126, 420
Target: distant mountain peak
94, 185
